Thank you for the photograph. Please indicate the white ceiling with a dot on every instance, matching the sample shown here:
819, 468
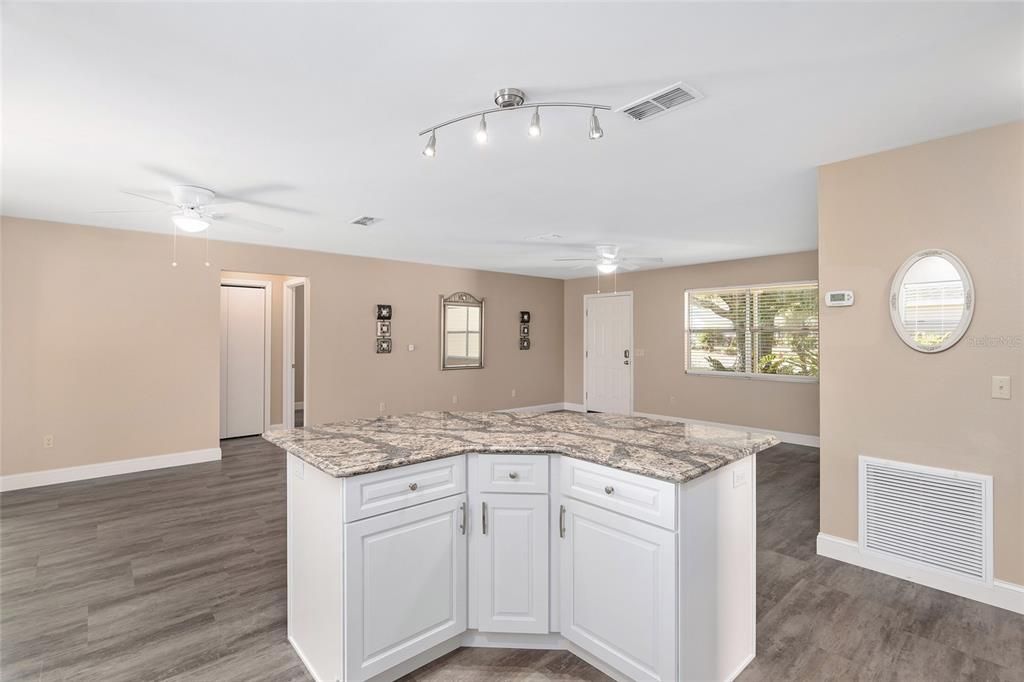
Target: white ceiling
320, 105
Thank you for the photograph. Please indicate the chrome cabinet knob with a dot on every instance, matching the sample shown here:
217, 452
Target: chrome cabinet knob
608, 489
513, 475
413, 486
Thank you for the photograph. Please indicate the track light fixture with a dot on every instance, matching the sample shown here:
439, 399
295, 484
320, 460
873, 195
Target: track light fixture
596, 133
481, 130
535, 123
430, 151
511, 99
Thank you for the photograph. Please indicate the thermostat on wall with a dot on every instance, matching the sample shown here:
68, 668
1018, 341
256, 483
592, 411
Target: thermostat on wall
838, 298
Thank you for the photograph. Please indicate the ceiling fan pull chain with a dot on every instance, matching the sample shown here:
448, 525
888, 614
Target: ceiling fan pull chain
207, 262
174, 246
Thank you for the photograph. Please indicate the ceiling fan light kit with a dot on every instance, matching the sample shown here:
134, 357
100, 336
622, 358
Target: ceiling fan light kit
513, 99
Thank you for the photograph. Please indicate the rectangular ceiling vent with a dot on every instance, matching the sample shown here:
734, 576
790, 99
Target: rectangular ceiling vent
936, 519
660, 102
366, 220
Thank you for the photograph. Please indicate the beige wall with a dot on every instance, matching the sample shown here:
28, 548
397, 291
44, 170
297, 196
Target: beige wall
879, 397
276, 336
661, 386
116, 354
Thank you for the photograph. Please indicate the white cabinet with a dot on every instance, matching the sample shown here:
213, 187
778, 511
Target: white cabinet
511, 560
618, 590
404, 584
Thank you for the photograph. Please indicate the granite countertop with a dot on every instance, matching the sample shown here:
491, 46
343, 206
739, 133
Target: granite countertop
669, 451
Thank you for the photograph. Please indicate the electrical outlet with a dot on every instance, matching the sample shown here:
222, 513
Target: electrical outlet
1001, 388
48, 440
513, 393
412, 347
382, 407
455, 400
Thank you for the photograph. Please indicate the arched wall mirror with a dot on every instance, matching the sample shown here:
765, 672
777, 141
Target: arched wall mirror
932, 300
462, 331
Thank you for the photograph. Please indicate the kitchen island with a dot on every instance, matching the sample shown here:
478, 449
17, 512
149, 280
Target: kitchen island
629, 541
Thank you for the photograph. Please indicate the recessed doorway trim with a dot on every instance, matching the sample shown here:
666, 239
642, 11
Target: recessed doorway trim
587, 298
288, 359
268, 296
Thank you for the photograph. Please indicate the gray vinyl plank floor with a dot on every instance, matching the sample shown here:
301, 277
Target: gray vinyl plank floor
179, 574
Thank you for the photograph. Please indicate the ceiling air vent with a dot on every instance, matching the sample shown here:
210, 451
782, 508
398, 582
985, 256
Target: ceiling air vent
661, 101
366, 220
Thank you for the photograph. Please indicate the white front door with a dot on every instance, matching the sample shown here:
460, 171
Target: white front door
404, 584
513, 563
242, 360
608, 353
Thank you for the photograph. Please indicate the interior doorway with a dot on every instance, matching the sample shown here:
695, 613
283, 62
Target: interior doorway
296, 344
608, 353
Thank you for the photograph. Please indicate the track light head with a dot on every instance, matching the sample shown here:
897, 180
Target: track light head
535, 123
430, 151
481, 130
596, 133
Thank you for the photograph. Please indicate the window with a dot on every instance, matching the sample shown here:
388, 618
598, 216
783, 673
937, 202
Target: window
462, 332
767, 331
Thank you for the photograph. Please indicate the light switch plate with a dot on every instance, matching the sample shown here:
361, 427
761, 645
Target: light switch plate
1001, 388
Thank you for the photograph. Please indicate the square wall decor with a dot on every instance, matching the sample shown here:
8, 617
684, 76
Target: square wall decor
384, 345
524, 317
383, 311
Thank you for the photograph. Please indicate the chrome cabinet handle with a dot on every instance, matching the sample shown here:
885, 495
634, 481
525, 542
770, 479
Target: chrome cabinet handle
561, 521
513, 475
609, 490
413, 486
462, 526
483, 507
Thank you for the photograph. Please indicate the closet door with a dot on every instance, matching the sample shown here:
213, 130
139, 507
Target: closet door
242, 360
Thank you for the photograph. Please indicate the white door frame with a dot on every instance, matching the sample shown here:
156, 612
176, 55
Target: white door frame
632, 355
288, 357
268, 297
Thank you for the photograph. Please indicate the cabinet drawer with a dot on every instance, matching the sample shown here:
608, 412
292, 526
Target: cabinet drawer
512, 473
384, 491
639, 497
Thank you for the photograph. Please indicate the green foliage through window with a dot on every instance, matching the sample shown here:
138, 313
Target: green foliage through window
769, 330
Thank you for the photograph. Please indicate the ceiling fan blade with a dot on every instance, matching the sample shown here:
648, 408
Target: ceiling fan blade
230, 199
628, 266
135, 210
574, 260
245, 222
143, 196
644, 260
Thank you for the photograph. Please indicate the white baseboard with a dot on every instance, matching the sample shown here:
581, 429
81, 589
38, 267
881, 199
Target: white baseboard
574, 407
34, 479
548, 407
784, 436
1000, 593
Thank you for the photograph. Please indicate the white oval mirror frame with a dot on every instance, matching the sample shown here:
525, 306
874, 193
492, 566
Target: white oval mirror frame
962, 290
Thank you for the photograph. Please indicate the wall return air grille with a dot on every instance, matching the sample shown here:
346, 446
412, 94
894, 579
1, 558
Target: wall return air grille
933, 518
661, 102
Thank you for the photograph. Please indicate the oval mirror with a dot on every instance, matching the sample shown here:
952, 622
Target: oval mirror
932, 300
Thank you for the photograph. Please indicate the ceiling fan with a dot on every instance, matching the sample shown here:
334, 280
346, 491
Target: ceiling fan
608, 260
193, 209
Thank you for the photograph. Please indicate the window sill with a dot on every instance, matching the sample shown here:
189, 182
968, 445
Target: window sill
789, 378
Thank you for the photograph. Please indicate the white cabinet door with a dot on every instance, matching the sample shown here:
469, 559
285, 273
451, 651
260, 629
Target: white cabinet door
404, 584
512, 563
618, 590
